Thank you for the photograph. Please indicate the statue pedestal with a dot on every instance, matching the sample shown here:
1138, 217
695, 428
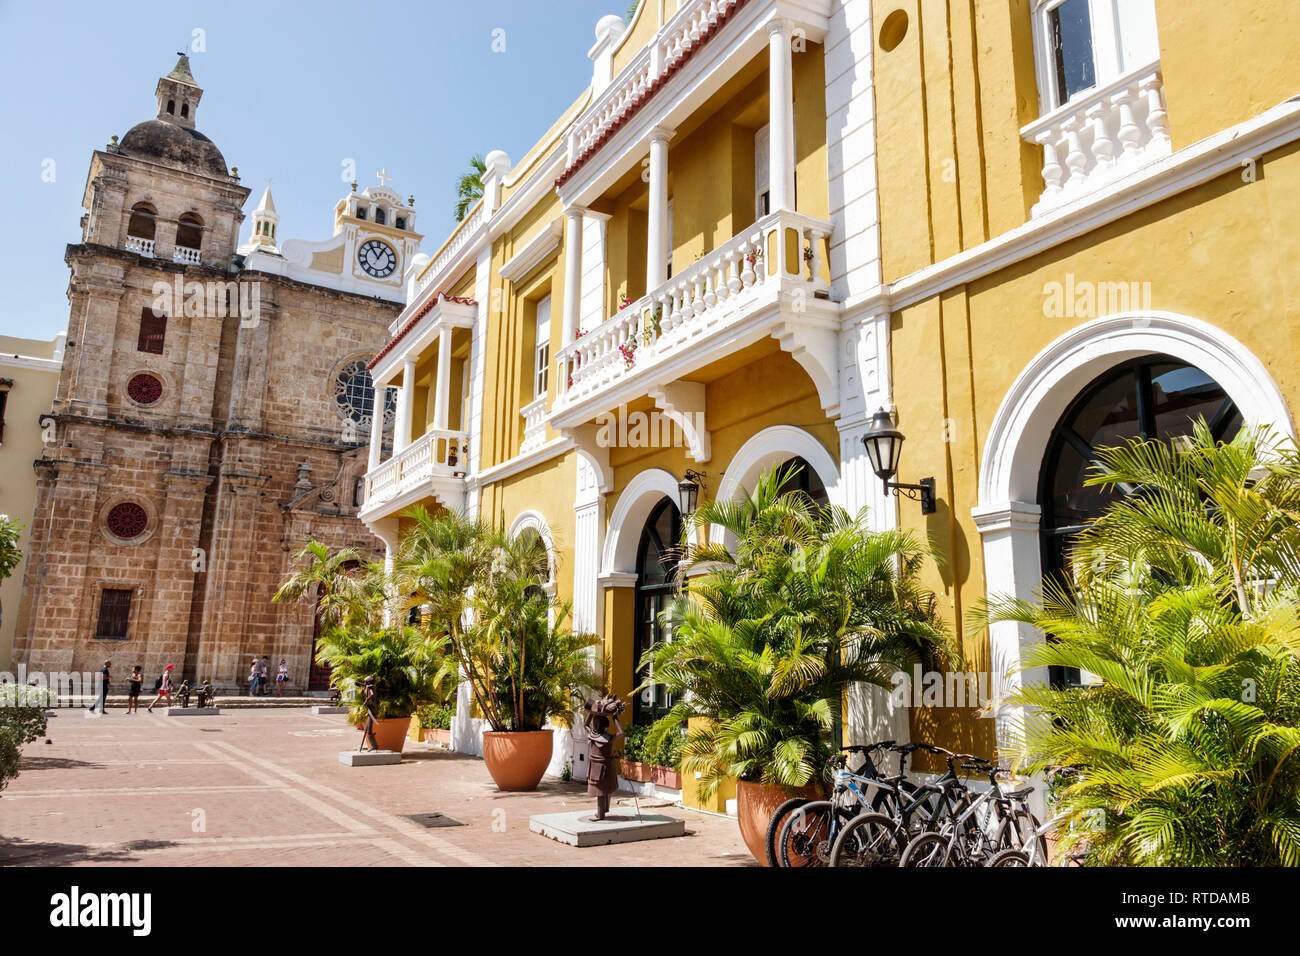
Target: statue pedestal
369, 758
327, 709
619, 826
191, 711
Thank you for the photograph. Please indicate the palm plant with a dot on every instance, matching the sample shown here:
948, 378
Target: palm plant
469, 188
806, 602
485, 594
1184, 606
361, 634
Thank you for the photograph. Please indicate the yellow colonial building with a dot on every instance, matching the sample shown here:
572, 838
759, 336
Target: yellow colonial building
1021, 229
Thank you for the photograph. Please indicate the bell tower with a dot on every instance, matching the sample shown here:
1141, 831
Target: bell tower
178, 95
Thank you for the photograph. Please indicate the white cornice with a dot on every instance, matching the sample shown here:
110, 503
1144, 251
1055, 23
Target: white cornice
534, 252
30, 361
1186, 169
521, 463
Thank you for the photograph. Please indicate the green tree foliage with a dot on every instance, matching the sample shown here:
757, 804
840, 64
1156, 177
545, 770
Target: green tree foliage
1184, 607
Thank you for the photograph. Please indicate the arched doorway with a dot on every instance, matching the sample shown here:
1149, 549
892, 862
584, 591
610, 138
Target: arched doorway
656, 564
1154, 397
806, 480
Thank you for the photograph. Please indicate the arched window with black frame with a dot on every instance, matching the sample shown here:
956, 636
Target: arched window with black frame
806, 480
656, 567
1156, 396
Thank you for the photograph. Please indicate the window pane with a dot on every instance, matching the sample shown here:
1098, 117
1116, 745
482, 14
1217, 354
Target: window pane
114, 613
1180, 394
153, 332
1071, 33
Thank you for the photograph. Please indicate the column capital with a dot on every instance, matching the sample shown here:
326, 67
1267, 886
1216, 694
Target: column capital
661, 134
778, 26
575, 212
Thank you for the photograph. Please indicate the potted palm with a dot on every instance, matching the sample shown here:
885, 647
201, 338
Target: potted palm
486, 596
356, 643
807, 601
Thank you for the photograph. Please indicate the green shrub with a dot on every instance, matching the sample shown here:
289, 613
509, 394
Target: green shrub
22, 720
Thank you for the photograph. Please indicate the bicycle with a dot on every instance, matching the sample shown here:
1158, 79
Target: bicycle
969, 842
810, 830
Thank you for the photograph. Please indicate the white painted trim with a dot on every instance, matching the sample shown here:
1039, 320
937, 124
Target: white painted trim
534, 252
1214, 156
1017, 437
536, 521
771, 447
629, 517
508, 469
30, 361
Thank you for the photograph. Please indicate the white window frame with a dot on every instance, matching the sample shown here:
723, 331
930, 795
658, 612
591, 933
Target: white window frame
1123, 39
542, 348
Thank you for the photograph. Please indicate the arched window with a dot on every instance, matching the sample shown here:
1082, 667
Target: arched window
171, 107
1156, 396
141, 223
656, 563
807, 481
185, 110
189, 232
400, 222
381, 218
361, 212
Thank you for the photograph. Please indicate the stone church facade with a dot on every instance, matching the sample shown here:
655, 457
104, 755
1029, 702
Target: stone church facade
210, 412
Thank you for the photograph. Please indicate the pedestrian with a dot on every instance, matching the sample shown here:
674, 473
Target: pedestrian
163, 685
101, 699
264, 676
133, 685
281, 677
254, 673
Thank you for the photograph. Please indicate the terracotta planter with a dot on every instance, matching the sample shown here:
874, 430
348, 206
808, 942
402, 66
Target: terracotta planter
436, 735
666, 777
635, 771
517, 761
755, 804
390, 733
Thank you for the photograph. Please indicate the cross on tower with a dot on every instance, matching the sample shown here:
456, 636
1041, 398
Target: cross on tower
383, 176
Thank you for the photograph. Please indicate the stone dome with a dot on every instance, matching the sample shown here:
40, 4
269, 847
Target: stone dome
174, 145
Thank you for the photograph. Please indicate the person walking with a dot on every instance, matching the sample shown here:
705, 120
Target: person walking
101, 700
254, 674
133, 684
281, 677
163, 685
264, 676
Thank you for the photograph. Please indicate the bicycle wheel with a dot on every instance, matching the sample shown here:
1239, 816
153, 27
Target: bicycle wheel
1017, 833
867, 840
1009, 858
929, 849
805, 838
774, 827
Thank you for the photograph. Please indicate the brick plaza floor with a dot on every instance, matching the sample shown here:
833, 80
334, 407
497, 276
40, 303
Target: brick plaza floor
264, 787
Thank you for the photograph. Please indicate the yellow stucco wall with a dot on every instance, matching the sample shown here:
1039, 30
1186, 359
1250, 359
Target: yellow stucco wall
28, 399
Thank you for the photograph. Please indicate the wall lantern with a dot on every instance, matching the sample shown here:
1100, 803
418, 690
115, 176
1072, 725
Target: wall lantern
884, 444
688, 491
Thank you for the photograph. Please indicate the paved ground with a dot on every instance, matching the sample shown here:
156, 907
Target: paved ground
264, 787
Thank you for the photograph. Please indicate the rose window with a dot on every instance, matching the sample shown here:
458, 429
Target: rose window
127, 520
144, 389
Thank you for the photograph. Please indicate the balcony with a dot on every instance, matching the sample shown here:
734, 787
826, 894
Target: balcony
139, 246
534, 414
186, 256
1101, 135
733, 296
437, 456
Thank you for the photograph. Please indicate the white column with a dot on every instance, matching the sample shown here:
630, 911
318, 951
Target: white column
656, 258
377, 426
572, 272
405, 407
442, 396
781, 113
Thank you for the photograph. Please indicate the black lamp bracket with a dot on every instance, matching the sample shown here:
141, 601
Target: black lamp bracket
922, 492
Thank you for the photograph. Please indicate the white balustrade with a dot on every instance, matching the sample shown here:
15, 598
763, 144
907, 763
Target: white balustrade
186, 255
1100, 135
534, 414
719, 289
464, 232
439, 453
142, 246
684, 30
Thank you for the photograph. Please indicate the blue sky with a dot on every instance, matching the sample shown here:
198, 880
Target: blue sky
291, 90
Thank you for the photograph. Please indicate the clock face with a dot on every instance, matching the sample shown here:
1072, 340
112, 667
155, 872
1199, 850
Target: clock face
377, 259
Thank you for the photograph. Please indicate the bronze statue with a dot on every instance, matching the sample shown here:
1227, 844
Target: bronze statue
371, 701
205, 693
183, 693
602, 775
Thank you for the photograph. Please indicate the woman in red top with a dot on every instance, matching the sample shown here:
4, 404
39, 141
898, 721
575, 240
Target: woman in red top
164, 688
